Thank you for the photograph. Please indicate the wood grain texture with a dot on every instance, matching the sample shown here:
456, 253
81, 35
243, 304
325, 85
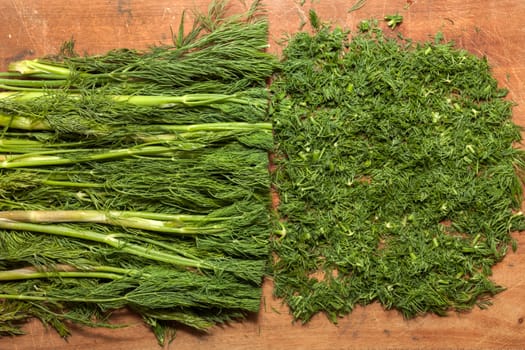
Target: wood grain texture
491, 28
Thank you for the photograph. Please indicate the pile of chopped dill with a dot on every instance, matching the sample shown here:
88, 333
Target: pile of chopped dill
396, 174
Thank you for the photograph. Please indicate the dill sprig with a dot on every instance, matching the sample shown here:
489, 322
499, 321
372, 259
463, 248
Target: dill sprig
105, 118
188, 181
396, 173
66, 290
218, 48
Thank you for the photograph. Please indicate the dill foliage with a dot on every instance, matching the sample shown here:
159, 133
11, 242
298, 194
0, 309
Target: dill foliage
138, 179
396, 173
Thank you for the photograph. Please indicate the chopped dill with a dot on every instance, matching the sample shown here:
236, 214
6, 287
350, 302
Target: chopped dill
396, 174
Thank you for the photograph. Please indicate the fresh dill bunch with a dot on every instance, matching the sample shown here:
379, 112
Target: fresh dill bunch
396, 174
138, 179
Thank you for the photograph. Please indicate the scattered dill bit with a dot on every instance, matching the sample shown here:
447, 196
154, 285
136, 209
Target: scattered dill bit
357, 5
396, 173
366, 24
393, 20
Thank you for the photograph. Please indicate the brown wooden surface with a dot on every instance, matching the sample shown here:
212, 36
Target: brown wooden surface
495, 28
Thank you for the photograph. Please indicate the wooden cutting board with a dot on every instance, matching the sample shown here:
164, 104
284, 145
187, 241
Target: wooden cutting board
491, 28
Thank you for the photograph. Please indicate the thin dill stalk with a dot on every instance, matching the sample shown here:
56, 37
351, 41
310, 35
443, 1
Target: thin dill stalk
159, 244
30, 67
227, 126
24, 274
357, 5
68, 271
215, 49
105, 268
186, 100
19, 143
192, 100
37, 76
112, 217
24, 83
36, 140
71, 300
72, 184
36, 159
12, 146
24, 123
108, 239
174, 219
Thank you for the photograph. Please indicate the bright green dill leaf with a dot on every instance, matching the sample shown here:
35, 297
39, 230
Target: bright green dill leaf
357, 5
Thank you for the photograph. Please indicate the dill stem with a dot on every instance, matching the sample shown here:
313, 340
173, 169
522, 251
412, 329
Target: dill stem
30, 67
72, 184
31, 160
51, 72
24, 274
19, 142
39, 76
67, 271
25, 145
109, 239
23, 123
112, 217
186, 100
14, 83
71, 300
190, 100
227, 126
176, 218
